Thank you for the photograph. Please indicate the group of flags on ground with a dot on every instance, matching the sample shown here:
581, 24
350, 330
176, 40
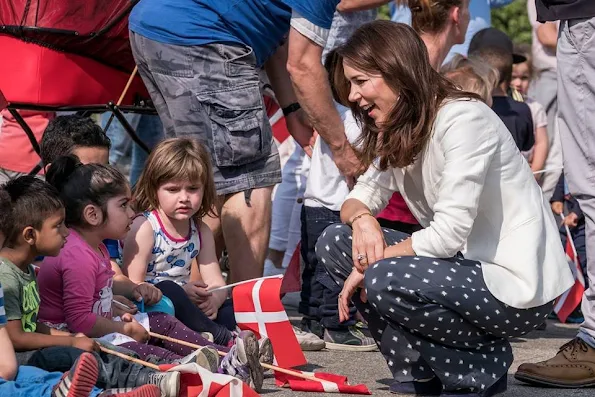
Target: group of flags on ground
258, 308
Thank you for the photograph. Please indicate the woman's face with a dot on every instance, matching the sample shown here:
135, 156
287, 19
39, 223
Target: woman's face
463, 19
371, 93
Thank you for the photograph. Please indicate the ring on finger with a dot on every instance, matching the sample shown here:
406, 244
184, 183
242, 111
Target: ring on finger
361, 257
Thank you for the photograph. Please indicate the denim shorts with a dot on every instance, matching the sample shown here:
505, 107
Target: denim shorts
212, 93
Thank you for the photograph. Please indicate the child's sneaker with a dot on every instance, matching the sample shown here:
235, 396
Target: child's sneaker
206, 357
265, 348
79, 381
168, 382
208, 336
143, 391
242, 361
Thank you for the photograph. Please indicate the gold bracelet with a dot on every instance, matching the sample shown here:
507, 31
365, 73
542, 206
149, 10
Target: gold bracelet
359, 216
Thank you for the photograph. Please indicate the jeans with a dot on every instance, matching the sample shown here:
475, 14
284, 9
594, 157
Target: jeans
189, 314
114, 372
320, 294
285, 228
148, 128
34, 382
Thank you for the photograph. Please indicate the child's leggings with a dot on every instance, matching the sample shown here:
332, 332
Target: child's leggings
164, 324
188, 313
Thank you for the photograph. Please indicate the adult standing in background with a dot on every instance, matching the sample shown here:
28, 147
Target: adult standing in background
480, 18
199, 60
543, 89
574, 365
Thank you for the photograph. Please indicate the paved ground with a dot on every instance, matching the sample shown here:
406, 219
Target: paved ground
370, 368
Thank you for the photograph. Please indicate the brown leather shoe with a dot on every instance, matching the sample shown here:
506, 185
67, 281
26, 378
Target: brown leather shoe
573, 366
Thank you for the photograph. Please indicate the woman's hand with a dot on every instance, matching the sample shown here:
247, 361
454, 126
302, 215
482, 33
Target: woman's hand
354, 280
368, 242
149, 293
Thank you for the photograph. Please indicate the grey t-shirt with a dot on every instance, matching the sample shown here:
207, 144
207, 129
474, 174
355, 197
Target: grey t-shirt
21, 295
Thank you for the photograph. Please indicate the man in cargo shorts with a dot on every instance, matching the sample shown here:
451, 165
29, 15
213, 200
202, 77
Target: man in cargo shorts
200, 59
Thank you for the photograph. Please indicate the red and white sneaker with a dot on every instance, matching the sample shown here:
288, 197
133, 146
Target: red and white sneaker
80, 380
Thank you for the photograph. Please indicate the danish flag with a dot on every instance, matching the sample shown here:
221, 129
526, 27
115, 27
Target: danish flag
196, 381
258, 308
569, 300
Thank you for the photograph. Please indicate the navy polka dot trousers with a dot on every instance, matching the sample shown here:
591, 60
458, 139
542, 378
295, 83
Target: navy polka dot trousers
432, 317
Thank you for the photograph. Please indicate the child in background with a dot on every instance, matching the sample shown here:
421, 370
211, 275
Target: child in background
77, 135
472, 76
567, 207
494, 47
32, 222
170, 246
77, 286
522, 74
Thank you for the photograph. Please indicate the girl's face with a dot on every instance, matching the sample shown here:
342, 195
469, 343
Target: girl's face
119, 217
180, 200
371, 93
521, 77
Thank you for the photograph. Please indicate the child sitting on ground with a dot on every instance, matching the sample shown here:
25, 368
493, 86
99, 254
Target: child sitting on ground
77, 286
32, 221
170, 246
31, 381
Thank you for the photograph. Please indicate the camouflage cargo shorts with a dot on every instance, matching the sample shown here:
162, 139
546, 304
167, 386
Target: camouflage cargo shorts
212, 93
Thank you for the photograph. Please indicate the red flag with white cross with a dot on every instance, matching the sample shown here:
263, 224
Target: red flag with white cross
258, 308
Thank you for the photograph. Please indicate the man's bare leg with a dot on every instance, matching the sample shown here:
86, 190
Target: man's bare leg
246, 229
213, 221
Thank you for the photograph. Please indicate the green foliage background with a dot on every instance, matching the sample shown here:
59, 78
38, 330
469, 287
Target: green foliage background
511, 19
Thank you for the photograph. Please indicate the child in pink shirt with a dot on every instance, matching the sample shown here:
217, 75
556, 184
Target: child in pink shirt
77, 287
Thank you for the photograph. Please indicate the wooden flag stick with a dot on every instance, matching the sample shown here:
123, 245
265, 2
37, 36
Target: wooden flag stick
130, 79
264, 365
127, 357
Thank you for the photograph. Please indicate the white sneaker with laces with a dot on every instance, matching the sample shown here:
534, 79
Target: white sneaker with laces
308, 341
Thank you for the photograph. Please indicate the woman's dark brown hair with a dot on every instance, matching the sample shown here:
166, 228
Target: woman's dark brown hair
396, 53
